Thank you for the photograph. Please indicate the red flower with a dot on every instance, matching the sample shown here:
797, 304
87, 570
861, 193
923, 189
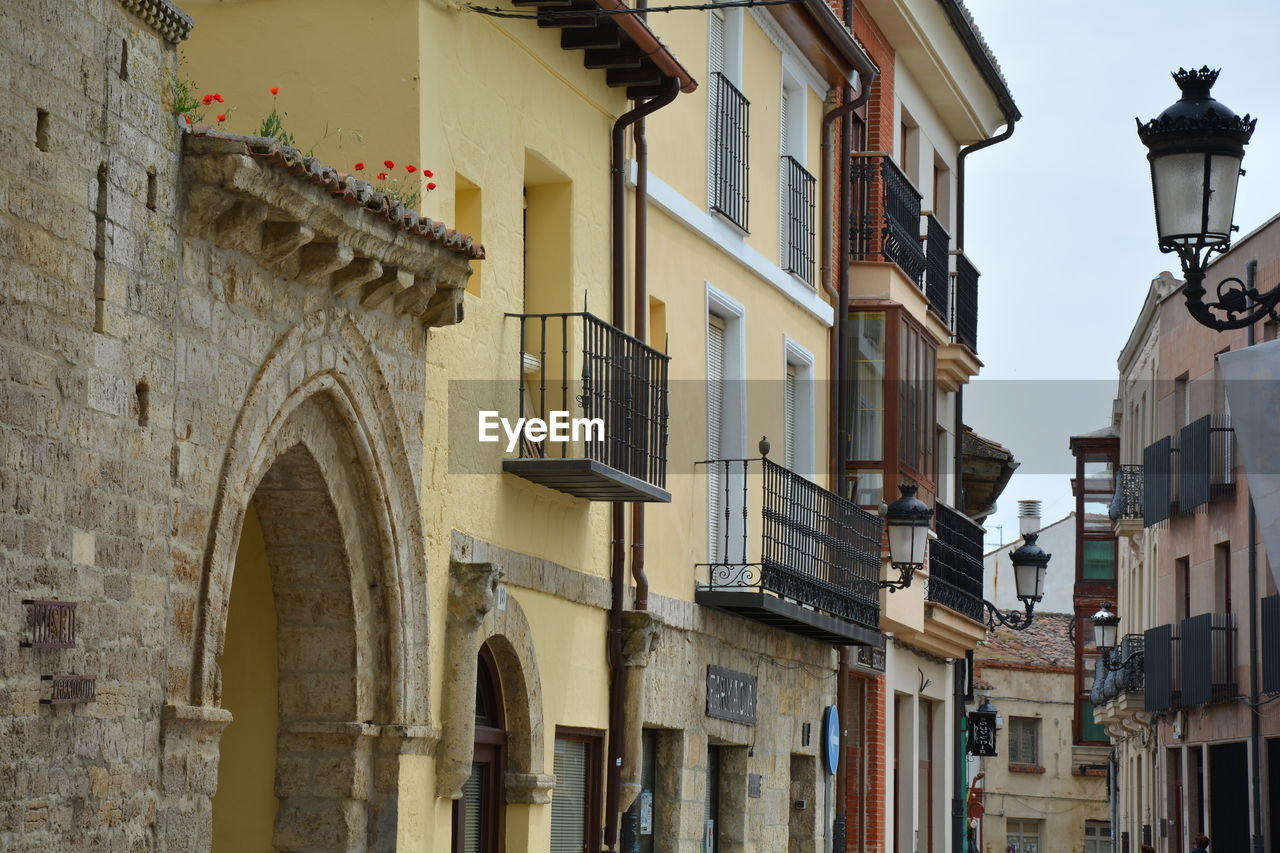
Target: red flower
431, 186
389, 164
427, 173
207, 100
382, 176
359, 167
275, 90
411, 169
217, 97
222, 117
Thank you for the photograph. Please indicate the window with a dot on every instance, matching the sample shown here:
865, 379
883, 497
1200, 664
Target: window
1024, 740
866, 439
1090, 730
726, 405
1181, 403
789, 417
1182, 586
727, 134
1099, 559
1222, 577
715, 435
1023, 835
797, 410
796, 187
916, 419
574, 811
478, 814
1097, 836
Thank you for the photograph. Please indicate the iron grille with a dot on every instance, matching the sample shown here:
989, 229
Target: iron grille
1157, 481
1158, 668
800, 193
579, 364
52, 624
1108, 684
1193, 465
937, 275
729, 194
1222, 450
955, 563
1271, 644
964, 321
886, 215
1126, 501
70, 689
1208, 658
794, 539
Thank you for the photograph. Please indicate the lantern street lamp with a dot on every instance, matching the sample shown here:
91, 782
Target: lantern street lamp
908, 521
1195, 148
982, 729
1030, 562
1106, 629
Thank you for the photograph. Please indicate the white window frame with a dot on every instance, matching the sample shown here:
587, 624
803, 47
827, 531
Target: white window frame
793, 141
730, 66
733, 431
799, 358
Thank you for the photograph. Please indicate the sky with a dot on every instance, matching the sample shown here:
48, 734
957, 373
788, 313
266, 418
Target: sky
1059, 217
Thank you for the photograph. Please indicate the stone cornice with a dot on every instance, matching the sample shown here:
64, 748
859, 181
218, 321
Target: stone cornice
312, 224
162, 16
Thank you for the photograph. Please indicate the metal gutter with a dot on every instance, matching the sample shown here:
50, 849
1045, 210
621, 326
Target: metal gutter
648, 44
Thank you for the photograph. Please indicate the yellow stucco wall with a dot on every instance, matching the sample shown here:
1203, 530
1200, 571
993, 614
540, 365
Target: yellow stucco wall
244, 808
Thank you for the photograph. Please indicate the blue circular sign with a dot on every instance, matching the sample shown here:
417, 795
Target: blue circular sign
831, 738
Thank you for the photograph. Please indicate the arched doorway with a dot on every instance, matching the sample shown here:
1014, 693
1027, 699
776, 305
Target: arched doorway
478, 816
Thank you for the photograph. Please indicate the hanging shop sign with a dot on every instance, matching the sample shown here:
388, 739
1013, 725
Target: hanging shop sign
982, 730
731, 695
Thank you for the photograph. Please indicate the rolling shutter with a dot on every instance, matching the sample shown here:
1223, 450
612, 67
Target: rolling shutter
789, 419
715, 437
569, 800
715, 65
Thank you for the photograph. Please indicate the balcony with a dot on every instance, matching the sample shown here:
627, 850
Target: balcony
1108, 684
1193, 667
798, 204
1206, 462
964, 312
787, 553
886, 216
1126, 500
611, 389
955, 563
729, 162
937, 270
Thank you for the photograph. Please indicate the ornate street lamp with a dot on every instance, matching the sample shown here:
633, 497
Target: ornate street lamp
1030, 562
982, 729
1106, 630
1195, 148
908, 521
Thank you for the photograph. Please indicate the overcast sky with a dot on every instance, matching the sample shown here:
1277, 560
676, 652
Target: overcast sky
1059, 217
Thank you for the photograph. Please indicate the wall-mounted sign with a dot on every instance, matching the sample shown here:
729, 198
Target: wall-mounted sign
982, 730
831, 738
731, 695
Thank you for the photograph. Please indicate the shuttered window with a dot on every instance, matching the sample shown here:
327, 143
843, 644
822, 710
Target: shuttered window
569, 801
1024, 740
715, 436
473, 807
784, 149
715, 65
789, 418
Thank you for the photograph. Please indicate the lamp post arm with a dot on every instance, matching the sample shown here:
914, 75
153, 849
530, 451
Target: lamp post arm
1111, 663
1236, 304
1012, 620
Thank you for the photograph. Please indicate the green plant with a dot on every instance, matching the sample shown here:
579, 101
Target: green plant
272, 126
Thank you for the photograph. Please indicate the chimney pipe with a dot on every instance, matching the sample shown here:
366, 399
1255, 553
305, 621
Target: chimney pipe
1028, 517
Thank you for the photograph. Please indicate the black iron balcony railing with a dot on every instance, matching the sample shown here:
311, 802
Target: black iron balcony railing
886, 215
1271, 644
1126, 501
789, 553
799, 189
729, 162
937, 274
608, 392
964, 310
955, 563
1108, 684
1208, 659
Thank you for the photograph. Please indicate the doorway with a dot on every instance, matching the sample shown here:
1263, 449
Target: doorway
479, 814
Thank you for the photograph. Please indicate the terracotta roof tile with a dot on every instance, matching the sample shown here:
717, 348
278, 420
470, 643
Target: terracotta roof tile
1046, 643
349, 189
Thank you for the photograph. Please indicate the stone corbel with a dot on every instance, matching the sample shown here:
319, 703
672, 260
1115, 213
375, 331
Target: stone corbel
280, 240
534, 788
472, 592
241, 227
640, 634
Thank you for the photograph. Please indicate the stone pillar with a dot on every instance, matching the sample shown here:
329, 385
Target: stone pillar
189, 736
472, 591
639, 639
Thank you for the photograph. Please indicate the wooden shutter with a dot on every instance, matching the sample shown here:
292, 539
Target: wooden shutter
715, 65
784, 190
789, 418
715, 436
569, 800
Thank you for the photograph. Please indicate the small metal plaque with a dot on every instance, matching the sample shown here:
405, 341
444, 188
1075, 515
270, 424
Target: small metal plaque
70, 689
731, 695
871, 657
754, 784
52, 624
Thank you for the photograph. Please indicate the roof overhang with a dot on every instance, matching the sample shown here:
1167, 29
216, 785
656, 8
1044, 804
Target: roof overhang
826, 42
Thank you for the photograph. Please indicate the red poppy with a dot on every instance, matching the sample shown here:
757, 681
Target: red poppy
217, 97
275, 90
382, 176
359, 167
431, 186
389, 164
207, 100
411, 169
222, 117
427, 173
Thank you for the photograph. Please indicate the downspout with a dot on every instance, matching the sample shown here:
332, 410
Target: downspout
617, 568
1255, 745
641, 288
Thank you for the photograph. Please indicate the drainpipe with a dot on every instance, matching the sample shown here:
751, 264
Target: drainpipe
617, 568
641, 286
1255, 744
